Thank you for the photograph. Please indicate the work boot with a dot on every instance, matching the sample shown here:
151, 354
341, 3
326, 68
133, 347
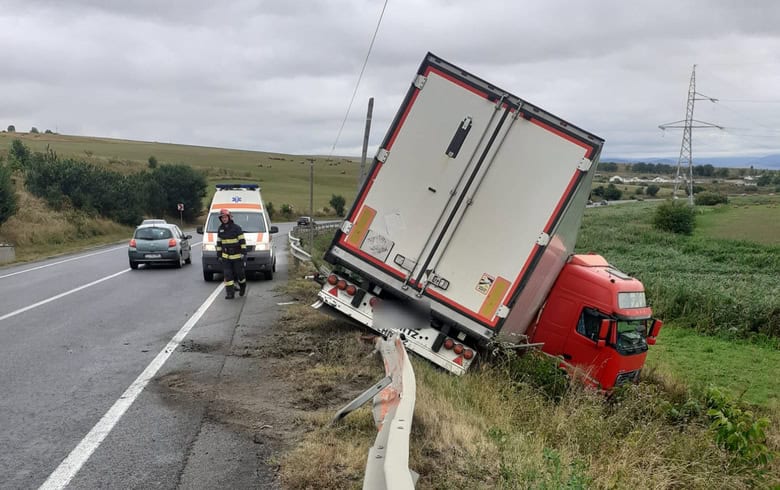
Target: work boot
230, 293
241, 288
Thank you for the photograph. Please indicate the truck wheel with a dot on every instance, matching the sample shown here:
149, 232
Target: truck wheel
133, 265
208, 276
188, 260
268, 275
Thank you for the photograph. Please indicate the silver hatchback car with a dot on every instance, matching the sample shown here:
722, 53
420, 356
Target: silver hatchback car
159, 243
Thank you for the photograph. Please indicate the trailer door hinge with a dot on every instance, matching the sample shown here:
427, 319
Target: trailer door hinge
585, 164
346, 227
382, 155
543, 239
419, 82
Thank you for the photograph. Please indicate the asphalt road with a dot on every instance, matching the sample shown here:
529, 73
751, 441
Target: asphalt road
83, 339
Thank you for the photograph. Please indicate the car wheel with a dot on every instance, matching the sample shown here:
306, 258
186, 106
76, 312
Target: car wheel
180, 262
208, 276
133, 265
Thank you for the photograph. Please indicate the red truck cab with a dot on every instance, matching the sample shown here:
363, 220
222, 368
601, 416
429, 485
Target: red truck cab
597, 319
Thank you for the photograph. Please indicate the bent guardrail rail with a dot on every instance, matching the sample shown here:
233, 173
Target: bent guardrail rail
295, 248
387, 466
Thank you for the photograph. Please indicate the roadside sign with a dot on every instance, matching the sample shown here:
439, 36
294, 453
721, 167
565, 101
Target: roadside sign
180, 207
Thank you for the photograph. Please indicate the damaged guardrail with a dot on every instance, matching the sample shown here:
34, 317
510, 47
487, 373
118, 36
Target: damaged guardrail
387, 466
295, 248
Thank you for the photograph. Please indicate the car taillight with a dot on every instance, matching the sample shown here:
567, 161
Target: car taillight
342, 284
132, 243
172, 242
351, 290
332, 279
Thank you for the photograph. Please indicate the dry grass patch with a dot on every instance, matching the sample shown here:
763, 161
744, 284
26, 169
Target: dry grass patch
38, 231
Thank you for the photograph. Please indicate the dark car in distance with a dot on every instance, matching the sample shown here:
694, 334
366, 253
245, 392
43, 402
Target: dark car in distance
305, 221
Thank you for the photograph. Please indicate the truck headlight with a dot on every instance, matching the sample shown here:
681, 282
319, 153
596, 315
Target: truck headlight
209, 247
263, 246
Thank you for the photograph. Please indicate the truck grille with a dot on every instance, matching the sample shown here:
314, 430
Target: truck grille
627, 377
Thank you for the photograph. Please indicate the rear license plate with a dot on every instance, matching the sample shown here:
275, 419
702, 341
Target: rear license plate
152, 256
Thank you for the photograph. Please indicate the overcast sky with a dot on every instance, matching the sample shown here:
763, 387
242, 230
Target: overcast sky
279, 75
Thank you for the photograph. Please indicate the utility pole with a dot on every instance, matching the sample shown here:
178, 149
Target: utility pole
362, 174
686, 149
311, 205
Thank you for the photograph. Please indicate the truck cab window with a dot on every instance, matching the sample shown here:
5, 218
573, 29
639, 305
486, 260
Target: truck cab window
588, 324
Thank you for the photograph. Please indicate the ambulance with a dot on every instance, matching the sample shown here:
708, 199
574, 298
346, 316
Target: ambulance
246, 206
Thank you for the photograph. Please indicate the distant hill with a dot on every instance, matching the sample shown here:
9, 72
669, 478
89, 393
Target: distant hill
769, 162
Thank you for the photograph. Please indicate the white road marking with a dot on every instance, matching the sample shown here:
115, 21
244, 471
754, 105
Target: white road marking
81, 453
73, 258
62, 261
49, 300
287, 303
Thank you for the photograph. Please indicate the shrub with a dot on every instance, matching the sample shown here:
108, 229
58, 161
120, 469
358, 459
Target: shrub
152, 162
8, 199
34, 130
708, 198
652, 190
270, 208
675, 217
337, 202
11, 128
612, 193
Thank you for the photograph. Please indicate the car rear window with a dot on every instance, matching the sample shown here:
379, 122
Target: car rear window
153, 234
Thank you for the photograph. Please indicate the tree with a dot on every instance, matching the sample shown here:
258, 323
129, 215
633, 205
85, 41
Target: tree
152, 162
337, 202
11, 128
34, 130
8, 199
182, 184
18, 155
652, 190
612, 193
675, 217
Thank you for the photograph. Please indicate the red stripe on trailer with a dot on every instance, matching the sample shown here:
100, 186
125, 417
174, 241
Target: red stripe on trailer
588, 148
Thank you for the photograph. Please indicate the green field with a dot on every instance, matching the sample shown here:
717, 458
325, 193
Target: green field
755, 219
284, 179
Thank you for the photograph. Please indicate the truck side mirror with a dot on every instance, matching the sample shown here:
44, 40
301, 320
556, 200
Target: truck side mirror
274, 229
199, 230
603, 332
655, 329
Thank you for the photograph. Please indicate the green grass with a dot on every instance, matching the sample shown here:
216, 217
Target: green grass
747, 370
284, 179
742, 219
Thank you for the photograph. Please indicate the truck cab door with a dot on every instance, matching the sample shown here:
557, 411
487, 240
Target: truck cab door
585, 346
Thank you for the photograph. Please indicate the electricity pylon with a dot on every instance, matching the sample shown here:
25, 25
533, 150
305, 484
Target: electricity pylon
686, 149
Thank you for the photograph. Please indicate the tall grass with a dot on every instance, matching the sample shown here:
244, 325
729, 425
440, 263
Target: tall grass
499, 427
712, 285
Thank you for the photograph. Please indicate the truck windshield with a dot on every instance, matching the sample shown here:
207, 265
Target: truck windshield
631, 336
249, 222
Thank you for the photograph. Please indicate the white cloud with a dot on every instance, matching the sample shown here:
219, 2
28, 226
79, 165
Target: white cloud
278, 76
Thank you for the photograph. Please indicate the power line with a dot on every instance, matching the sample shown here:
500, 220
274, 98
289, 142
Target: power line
354, 93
